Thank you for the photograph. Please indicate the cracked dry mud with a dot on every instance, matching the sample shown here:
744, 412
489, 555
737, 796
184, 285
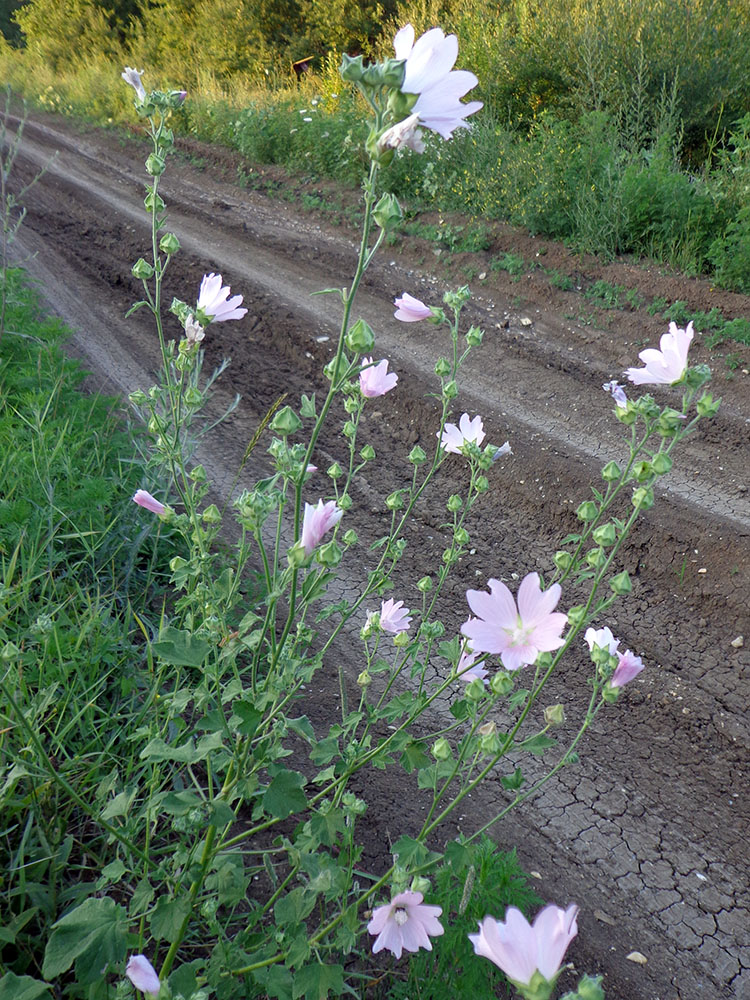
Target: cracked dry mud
649, 832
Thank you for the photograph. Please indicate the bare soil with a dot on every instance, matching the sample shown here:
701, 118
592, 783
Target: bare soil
649, 832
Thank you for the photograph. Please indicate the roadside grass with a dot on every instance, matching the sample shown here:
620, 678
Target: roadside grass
75, 566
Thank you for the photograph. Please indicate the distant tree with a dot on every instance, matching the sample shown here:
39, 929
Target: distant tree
60, 33
8, 27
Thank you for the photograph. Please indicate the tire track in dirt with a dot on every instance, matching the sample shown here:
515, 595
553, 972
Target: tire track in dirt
650, 829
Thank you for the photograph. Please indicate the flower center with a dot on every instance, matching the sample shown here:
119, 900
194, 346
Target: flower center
400, 915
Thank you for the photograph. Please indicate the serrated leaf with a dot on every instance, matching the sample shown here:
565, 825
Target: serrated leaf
13, 987
513, 781
98, 927
414, 757
181, 648
315, 982
167, 918
157, 749
284, 795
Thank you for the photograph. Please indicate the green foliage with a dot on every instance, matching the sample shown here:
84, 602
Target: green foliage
474, 881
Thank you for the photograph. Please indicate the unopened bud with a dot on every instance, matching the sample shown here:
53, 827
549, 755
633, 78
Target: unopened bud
169, 244
367, 454
441, 749
424, 586
474, 336
706, 406
587, 511
286, 422
554, 715
329, 554
387, 213
501, 684
155, 165
360, 338
142, 270
417, 456
365, 679
611, 472
621, 584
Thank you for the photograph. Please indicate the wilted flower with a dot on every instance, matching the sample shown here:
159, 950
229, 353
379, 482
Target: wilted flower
521, 949
214, 300
502, 451
194, 332
628, 667
375, 379
142, 975
411, 310
133, 77
144, 499
521, 634
429, 73
404, 135
667, 365
393, 617
405, 924
317, 521
603, 638
454, 438
617, 392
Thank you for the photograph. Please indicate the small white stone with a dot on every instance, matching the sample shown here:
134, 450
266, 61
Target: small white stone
525, 321
637, 957
739, 642
482, 275
703, 570
535, 875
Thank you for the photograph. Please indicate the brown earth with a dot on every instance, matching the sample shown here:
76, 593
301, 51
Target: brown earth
649, 832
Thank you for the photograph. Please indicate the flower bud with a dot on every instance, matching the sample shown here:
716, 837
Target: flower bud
401, 640
474, 690
587, 511
351, 404
142, 270
211, 515
474, 336
286, 422
706, 406
461, 536
420, 884
193, 396
642, 471
351, 68
360, 338
330, 369
501, 684
627, 414
350, 537
455, 503
334, 471
661, 463
596, 557
155, 165
169, 244
450, 390
554, 715
442, 368
345, 502
576, 614
395, 500
481, 484
605, 534
432, 630
154, 204
10, 651
367, 454
365, 679
590, 988
138, 398
417, 456
611, 472
643, 498
349, 429
441, 749
563, 560
387, 213
424, 586
489, 739
669, 422
621, 584
455, 300
329, 554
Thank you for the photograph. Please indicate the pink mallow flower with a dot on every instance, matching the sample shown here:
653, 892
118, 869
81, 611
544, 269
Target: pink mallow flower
133, 77
144, 499
468, 670
411, 310
454, 438
214, 300
142, 975
375, 379
317, 521
405, 924
394, 618
628, 667
518, 634
521, 949
429, 73
667, 365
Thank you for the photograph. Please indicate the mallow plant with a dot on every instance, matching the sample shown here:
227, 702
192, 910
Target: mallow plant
232, 844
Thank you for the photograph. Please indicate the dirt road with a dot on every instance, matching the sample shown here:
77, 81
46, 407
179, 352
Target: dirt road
649, 833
